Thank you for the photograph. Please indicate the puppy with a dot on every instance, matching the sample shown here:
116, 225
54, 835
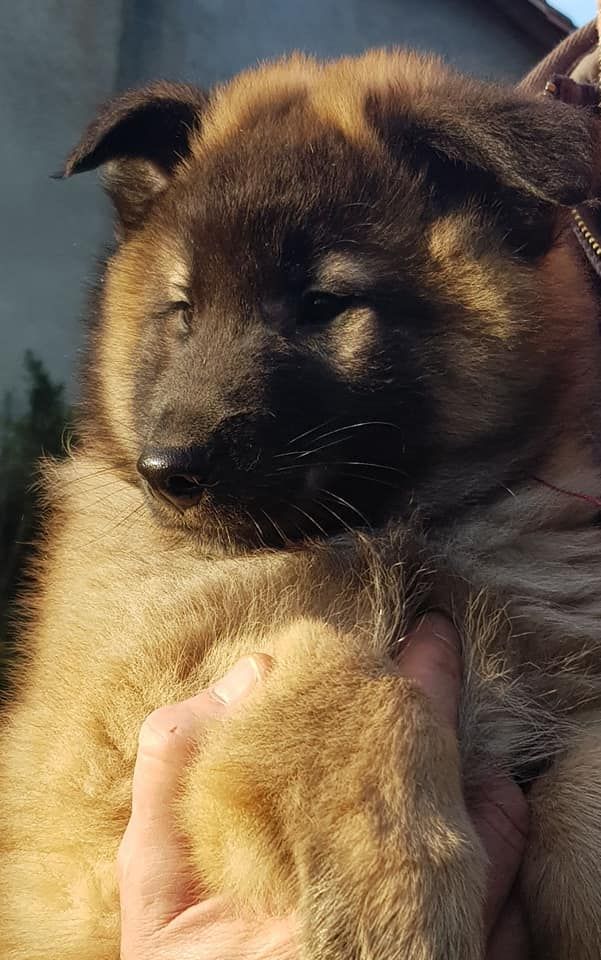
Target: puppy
343, 368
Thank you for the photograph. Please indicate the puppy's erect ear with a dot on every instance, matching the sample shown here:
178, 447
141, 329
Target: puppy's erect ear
141, 135
523, 154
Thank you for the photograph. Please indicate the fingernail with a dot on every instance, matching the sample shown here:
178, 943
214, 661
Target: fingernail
238, 682
434, 624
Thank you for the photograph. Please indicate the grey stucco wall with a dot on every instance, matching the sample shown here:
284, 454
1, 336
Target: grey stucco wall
208, 40
59, 58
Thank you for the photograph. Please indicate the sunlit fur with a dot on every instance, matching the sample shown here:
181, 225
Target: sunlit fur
335, 790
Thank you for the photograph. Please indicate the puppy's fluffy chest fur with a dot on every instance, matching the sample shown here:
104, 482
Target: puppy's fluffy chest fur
519, 579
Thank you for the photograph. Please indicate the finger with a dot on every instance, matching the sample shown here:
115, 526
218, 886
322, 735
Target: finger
499, 812
169, 735
154, 882
432, 659
510, 939
213, 929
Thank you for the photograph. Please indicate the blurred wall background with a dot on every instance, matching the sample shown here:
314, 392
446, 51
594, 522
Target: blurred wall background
60, 58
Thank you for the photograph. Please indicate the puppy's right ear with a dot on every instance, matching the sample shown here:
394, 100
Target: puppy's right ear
141, 135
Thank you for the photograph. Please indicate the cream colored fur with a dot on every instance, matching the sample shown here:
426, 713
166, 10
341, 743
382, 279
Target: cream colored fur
275, 806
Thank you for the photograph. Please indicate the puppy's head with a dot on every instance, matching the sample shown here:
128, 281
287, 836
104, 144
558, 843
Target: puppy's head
339, 291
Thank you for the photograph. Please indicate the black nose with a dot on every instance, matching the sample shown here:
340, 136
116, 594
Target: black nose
180, 475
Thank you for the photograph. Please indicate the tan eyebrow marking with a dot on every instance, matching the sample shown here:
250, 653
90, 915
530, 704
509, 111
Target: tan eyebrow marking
345, 271
353, 339
178, 274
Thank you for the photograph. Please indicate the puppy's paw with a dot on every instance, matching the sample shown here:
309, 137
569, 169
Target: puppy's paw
390, 867
338, 791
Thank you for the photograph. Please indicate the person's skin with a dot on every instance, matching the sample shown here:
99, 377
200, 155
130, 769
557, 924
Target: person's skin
161, 918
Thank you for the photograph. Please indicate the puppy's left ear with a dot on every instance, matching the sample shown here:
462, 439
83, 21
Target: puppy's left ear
141, 136
512, 150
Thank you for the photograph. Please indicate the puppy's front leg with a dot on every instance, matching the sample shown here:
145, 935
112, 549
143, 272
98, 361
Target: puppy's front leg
339, 792
389, 864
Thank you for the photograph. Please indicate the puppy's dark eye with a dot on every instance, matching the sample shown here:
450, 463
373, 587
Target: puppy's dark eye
181, 311
317, 307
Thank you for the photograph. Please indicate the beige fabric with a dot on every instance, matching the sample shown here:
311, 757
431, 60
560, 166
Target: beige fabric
564, 58
587, 69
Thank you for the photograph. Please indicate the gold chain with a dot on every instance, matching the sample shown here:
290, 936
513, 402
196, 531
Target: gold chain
586, 233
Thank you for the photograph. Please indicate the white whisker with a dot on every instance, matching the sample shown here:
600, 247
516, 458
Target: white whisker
275, 525
311, 430
337, 516
350, 506
305, 514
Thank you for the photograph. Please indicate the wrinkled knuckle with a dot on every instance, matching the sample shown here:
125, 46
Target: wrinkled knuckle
517, 810
509, 805
161, 729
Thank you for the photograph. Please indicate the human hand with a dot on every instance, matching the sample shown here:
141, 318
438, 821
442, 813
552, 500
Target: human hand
161, 917
499, 810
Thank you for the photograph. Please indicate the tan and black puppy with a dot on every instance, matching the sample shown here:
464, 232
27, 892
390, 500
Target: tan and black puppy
343, 364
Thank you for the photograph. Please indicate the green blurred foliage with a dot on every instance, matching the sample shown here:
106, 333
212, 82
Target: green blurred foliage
25, 436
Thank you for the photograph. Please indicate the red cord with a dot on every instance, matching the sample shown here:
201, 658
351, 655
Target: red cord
595, 501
